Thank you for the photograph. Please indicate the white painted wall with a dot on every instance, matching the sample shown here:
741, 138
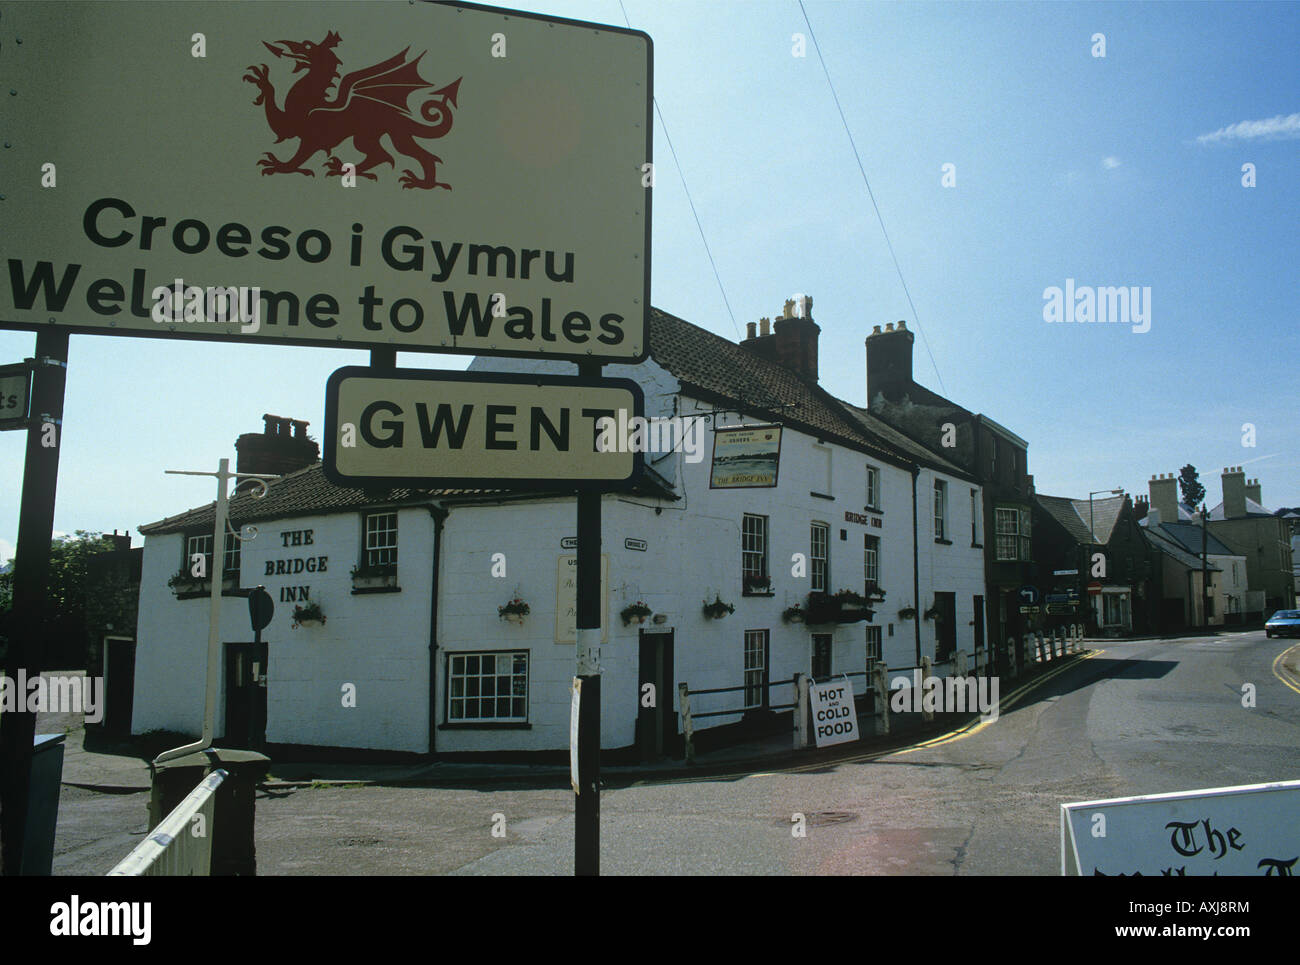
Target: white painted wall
378, 642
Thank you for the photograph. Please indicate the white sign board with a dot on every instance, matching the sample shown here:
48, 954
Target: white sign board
566, 599
835, 719
15, 395
430, 428
1248, 830
433, 177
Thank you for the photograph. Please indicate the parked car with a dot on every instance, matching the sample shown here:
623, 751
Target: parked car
1283, 623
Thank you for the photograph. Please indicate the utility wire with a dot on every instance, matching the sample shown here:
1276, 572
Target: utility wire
682, 174
916, 318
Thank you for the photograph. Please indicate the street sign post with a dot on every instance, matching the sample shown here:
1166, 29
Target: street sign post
237, 184
490, 430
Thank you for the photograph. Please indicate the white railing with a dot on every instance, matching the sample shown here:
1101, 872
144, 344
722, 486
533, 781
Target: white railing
181, 846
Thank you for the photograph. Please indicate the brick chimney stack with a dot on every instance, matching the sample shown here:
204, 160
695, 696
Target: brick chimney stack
1163, 490
1252, 491
1234, 492
280, 448
792, 342
889, 362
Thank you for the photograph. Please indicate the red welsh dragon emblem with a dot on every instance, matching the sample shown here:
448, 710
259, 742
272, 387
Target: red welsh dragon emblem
368, 104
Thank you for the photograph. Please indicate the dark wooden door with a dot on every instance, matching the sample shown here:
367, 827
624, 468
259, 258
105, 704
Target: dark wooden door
656, 725
246, 694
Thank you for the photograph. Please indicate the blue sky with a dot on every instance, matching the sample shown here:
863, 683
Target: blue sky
1122, 170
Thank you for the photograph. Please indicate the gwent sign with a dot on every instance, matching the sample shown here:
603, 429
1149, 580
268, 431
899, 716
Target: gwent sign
430, 177
419, 427
1248, 830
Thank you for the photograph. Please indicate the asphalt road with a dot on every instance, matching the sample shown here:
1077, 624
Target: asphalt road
1139, 718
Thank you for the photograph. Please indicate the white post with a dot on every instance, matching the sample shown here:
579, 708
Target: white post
800, 711
688, 729
223, 476
880, 681
926, 715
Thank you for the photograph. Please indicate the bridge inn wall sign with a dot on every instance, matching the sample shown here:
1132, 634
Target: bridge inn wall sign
432, 177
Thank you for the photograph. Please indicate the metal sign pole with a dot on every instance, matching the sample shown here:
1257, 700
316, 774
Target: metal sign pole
31, 571
586, 838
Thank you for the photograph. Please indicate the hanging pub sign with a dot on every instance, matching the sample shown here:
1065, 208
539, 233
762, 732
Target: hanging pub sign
745, 457
353, 174
15, 395
420, 427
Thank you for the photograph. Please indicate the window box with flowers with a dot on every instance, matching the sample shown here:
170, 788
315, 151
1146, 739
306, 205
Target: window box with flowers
514, 611
846, 606
758, 586
186, 586
308, 614
873, 592
635, 613
375, 579
794, 614
717, 609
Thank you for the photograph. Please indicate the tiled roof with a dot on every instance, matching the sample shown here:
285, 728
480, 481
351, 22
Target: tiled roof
1158, 540
714, 367
308, 493
1188, 536
1252, 509
1062, 510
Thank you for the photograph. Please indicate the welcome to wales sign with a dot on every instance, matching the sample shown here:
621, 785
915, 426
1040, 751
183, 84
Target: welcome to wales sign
430, 177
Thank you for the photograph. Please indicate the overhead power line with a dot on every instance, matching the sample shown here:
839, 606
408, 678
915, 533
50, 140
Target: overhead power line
682, 174
916, 319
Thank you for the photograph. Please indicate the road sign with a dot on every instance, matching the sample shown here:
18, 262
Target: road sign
1028, 595
1245, 830
1094, 587
15, 395
419, 427
1057, 609
444, 178
260, 609
1065, 572
1032, 609
835, 719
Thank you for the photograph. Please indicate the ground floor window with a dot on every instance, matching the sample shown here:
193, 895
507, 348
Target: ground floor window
821, 657
488, 686
755, 668
873, 646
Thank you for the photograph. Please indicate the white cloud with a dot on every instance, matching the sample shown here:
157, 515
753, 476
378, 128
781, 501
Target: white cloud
1110, 163
1272, 128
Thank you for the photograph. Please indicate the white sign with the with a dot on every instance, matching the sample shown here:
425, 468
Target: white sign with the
1253, 829
835, 720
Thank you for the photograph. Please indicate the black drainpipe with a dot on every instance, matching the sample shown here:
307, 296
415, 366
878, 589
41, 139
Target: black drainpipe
439, 514
916, 566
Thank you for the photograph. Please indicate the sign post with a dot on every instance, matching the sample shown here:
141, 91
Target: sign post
31, 572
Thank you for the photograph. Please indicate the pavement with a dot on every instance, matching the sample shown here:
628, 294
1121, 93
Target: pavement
119, 768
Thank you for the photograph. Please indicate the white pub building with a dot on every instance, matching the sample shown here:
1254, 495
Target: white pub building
815, 542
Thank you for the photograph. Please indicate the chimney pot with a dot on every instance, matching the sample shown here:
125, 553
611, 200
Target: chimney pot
788, 310
875, 330
764, 326
750, 328
889, 326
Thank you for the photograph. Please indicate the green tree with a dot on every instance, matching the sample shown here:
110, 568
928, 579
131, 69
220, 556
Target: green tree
66, 599
1189, 484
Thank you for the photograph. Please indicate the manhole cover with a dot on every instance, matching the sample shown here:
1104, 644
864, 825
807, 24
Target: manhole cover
359, 842
818, 819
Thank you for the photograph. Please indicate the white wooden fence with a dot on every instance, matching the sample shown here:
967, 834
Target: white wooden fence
182, 844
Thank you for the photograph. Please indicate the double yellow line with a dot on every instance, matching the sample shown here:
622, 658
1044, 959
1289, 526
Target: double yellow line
1284, 673
967, 730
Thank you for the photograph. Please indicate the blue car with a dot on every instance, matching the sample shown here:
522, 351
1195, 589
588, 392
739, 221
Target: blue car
1283, 623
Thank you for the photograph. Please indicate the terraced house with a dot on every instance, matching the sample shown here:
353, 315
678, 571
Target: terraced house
788, 532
